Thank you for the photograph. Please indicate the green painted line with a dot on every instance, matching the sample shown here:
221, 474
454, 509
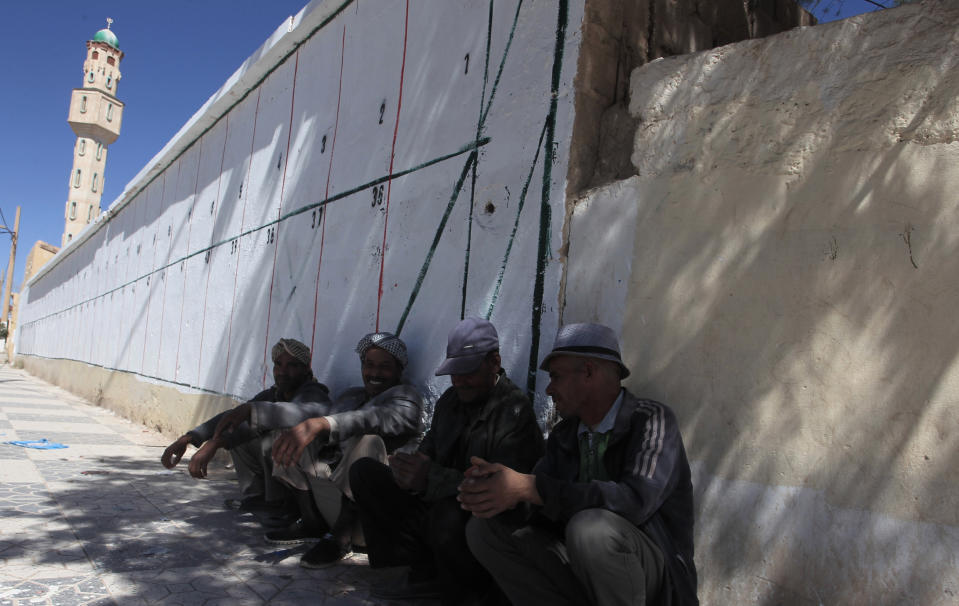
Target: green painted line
479, 132
512, 236
470, 147
544, 210
436, 240
502, 63
140, 374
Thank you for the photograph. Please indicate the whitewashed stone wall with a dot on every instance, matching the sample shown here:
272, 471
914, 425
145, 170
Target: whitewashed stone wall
375, 165
783, 267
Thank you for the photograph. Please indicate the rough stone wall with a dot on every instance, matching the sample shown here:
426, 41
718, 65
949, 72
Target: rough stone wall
782, 265
621, 35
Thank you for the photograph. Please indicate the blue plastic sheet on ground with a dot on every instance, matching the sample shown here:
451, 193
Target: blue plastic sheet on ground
42, 444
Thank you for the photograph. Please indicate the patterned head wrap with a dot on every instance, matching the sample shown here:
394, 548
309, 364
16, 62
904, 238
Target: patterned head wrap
386, 341
298, 350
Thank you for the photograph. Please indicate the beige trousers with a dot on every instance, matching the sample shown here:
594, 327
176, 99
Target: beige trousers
326, 484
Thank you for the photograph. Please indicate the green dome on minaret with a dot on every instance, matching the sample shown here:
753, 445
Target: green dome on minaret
107, 36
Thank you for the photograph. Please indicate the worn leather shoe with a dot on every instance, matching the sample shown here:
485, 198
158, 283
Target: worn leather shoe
325, 553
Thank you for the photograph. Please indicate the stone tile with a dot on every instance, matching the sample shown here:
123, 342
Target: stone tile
19, 470
11, 452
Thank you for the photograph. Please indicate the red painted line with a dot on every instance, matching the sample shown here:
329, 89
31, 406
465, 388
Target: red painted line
209, 269
153, 260
389, 183
236, 271
329, 173
279, 213
189, 232
166, 274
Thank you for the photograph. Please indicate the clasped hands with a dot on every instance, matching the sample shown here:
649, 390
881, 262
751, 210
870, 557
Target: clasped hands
491, 488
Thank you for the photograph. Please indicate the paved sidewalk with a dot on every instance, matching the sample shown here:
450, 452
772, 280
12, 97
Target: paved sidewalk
102, 522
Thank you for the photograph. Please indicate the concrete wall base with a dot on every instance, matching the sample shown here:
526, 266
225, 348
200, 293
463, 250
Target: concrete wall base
160, 407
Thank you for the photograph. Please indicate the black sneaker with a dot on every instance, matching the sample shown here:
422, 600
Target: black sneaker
294, 534
325, 553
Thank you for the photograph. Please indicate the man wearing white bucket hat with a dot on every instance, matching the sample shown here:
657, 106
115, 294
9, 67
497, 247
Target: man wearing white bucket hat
614, 522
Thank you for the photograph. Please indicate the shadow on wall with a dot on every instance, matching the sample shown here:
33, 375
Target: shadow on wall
793, 294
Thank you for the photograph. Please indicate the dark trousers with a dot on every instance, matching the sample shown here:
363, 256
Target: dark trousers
602, 559
402, 529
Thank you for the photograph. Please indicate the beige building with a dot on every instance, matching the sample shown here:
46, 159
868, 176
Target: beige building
95, 117
39, 254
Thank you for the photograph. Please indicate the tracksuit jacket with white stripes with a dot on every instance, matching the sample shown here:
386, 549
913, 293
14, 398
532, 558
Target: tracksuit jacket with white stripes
650, 480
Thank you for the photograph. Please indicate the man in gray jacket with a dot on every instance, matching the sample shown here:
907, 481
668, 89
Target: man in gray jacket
296, 395
315, 455
614, 516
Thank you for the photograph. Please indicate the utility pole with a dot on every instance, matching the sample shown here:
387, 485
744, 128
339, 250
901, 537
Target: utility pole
13, 256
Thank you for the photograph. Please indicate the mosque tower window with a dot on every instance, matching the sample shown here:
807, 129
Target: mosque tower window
90, 76
73, 210
99, 151
109, 81
81, 147
90, 214
96, 55
93, 186
76, 179
109, 112
83, 104
111, 60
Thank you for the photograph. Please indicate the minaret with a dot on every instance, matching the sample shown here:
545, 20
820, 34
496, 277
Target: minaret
95, 117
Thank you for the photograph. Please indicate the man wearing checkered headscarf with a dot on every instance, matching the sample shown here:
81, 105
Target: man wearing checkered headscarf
297, 350
366, 421
246, 430
386, 341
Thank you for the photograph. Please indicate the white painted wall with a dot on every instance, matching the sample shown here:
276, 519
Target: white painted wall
784, 269
328, 190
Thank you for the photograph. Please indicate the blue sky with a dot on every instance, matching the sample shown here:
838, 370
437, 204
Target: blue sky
177, 54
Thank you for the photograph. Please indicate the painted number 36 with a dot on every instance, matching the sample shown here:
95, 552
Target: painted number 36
377, 196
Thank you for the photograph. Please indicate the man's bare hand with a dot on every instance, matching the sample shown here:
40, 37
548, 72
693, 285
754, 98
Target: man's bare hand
289, 446
410, 470
230, 420
202, 457
174, 452
491, 488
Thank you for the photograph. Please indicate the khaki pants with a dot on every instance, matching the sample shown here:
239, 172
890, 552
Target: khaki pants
328, 485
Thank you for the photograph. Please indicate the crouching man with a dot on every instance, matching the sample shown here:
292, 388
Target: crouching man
614, 523
296, 395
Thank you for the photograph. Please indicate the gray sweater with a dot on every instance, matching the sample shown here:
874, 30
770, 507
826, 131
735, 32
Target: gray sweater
312, 399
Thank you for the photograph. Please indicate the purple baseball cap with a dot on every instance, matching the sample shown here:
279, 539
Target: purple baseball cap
467, 346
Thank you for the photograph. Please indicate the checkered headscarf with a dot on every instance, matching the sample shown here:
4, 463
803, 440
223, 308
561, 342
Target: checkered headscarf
298, 350
386, 341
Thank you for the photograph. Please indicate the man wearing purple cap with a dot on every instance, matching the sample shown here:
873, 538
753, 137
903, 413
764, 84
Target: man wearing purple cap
409, 510
614, 516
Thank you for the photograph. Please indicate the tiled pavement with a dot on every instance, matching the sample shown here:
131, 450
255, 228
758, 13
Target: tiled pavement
102, 522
